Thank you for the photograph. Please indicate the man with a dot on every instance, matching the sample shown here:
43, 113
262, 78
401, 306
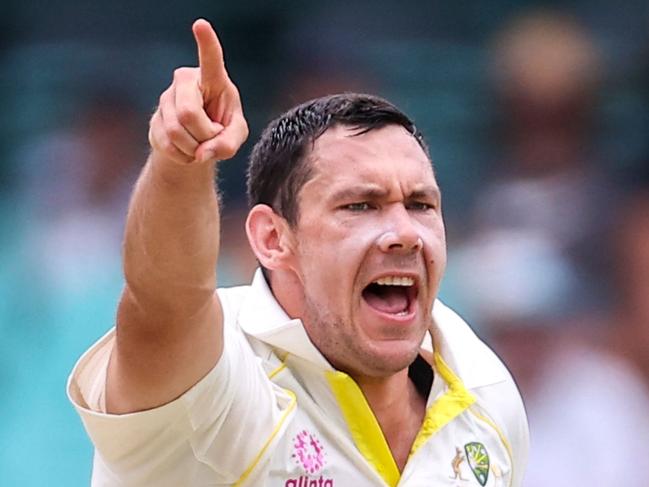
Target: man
332, 368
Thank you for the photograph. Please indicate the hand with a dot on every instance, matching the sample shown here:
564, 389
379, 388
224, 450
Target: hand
200, 117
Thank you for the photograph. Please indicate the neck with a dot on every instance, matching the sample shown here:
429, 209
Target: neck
398, 408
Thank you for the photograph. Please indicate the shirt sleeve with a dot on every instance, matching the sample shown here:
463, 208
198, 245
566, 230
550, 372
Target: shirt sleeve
214, 433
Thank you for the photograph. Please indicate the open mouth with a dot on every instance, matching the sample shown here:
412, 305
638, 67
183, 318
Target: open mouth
394, 295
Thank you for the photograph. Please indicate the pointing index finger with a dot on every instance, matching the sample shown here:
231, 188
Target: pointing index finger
210, 57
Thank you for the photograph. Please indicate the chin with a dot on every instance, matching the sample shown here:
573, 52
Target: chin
389, 358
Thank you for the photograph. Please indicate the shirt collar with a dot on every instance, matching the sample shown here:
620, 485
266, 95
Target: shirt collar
262, 317
468, 356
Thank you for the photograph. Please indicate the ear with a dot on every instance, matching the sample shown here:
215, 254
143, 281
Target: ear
270, 237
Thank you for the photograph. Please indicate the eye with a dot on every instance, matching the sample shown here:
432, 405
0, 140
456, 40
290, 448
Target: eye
361, 206
420, 206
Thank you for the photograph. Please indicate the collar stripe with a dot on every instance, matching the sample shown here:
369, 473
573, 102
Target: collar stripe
453, 403
363, 426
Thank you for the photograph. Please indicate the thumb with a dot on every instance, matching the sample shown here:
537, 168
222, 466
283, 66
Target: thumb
226, 144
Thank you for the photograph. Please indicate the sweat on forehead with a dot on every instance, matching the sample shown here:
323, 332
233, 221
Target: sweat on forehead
277, 167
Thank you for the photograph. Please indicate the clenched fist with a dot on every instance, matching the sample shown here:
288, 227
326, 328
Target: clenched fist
200, 117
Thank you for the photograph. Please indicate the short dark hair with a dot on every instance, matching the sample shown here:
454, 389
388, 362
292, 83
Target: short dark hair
278, 166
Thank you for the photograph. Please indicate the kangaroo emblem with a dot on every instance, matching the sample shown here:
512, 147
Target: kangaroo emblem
455, 463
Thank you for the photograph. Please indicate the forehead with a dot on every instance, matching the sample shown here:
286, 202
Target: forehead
386, 156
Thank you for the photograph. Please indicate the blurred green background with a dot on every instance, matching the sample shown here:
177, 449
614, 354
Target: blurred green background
537, 115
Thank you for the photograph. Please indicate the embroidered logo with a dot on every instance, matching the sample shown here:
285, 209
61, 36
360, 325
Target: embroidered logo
310, 456
308, 452
478, 459
455, 464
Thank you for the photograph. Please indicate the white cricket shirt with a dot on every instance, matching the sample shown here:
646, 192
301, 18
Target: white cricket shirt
273, 412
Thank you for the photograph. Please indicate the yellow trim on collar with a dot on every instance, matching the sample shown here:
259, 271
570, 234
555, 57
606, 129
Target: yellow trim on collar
364, 427
446, 408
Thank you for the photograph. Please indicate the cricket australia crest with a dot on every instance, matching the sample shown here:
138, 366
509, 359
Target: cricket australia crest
478, 459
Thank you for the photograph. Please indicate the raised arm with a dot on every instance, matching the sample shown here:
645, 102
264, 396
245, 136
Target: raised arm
169, 319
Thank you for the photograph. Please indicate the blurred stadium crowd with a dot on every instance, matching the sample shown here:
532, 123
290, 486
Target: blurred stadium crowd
537, 115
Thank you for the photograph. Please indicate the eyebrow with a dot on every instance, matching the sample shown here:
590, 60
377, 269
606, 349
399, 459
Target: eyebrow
426, 192
376, 192
363, 192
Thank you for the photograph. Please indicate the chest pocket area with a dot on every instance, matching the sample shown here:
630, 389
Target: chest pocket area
470, 451
485, 454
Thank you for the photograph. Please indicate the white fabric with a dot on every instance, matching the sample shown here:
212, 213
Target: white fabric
237, 426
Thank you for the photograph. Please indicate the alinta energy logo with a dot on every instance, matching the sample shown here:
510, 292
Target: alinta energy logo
309, 454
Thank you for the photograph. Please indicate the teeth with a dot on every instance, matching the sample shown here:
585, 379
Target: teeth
395, 281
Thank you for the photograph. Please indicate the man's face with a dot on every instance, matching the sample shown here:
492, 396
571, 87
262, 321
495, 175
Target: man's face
369, 248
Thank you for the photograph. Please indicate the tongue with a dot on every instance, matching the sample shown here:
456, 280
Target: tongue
388, 299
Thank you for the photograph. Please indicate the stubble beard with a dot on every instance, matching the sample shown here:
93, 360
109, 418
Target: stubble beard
338, 344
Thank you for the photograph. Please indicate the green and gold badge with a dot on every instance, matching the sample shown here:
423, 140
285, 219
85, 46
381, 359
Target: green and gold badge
478, 459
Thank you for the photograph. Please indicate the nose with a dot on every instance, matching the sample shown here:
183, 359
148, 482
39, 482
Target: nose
401, 235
